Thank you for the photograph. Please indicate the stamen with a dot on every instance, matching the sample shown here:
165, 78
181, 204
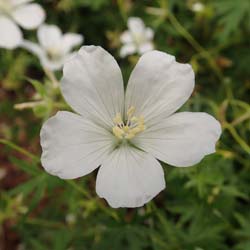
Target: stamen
134, 125
118, 119
118, 132
130, 112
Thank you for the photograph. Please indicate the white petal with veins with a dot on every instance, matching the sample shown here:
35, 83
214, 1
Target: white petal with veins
158, 86
182, 139
129, 178
92, 84
72, 146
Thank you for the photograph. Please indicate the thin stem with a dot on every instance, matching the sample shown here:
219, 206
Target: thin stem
78, 188
122, 10
237, 138
19, 149
26, 105
45, 223
241, 119
204, 53
50, 74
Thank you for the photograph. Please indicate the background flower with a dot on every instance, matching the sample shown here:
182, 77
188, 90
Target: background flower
18, 12
137, 39
54, 48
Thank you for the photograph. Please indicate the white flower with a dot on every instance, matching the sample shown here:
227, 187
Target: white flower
18, 12
137, 39
125, 133
197, 7
54, 48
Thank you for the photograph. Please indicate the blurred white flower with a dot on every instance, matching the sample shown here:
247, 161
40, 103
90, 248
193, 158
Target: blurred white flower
18, 12
125, 133
54, 48
70, 219
137, 39
197, 7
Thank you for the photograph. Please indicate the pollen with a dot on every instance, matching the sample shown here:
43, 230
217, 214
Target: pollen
132, 126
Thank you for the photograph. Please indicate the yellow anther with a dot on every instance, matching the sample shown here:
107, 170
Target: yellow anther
118, 119
130, 111
136, 130
134, 119
118, 132
140, 120
131, 128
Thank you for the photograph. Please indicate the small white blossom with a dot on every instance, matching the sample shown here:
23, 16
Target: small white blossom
70, 219
124, 133
18, 12
198, 7
137, 39
54, 48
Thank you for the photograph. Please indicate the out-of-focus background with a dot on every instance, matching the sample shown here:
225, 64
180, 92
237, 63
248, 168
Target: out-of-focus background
205, 207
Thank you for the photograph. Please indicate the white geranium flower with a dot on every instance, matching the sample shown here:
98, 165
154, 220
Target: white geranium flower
125, 133
54, 48
18, 12
137, 39
197, 7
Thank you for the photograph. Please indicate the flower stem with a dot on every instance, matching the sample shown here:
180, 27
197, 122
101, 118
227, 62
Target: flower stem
237, 138
78, 188
204, 53
19, 149
50, 74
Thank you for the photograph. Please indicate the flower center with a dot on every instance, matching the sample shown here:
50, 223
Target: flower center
54, 54
130, 128
139, 39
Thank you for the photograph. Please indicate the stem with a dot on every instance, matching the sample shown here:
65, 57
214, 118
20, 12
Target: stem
241, 119
177, 25
122, 10
237, 138
19, 149
78, 188
26, 105
45, 223
50, 74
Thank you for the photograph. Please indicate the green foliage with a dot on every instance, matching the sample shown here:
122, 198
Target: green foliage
205, 207
232, 15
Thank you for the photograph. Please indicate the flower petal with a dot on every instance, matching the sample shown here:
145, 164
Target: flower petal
129, 178
72, 146
136, 25
149, 33
158, 86
10, 34
92, 84
126, 37
182, 139
40, 52
49, 36
29, 16
33, 48
127, 49
145, 47
71, 40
